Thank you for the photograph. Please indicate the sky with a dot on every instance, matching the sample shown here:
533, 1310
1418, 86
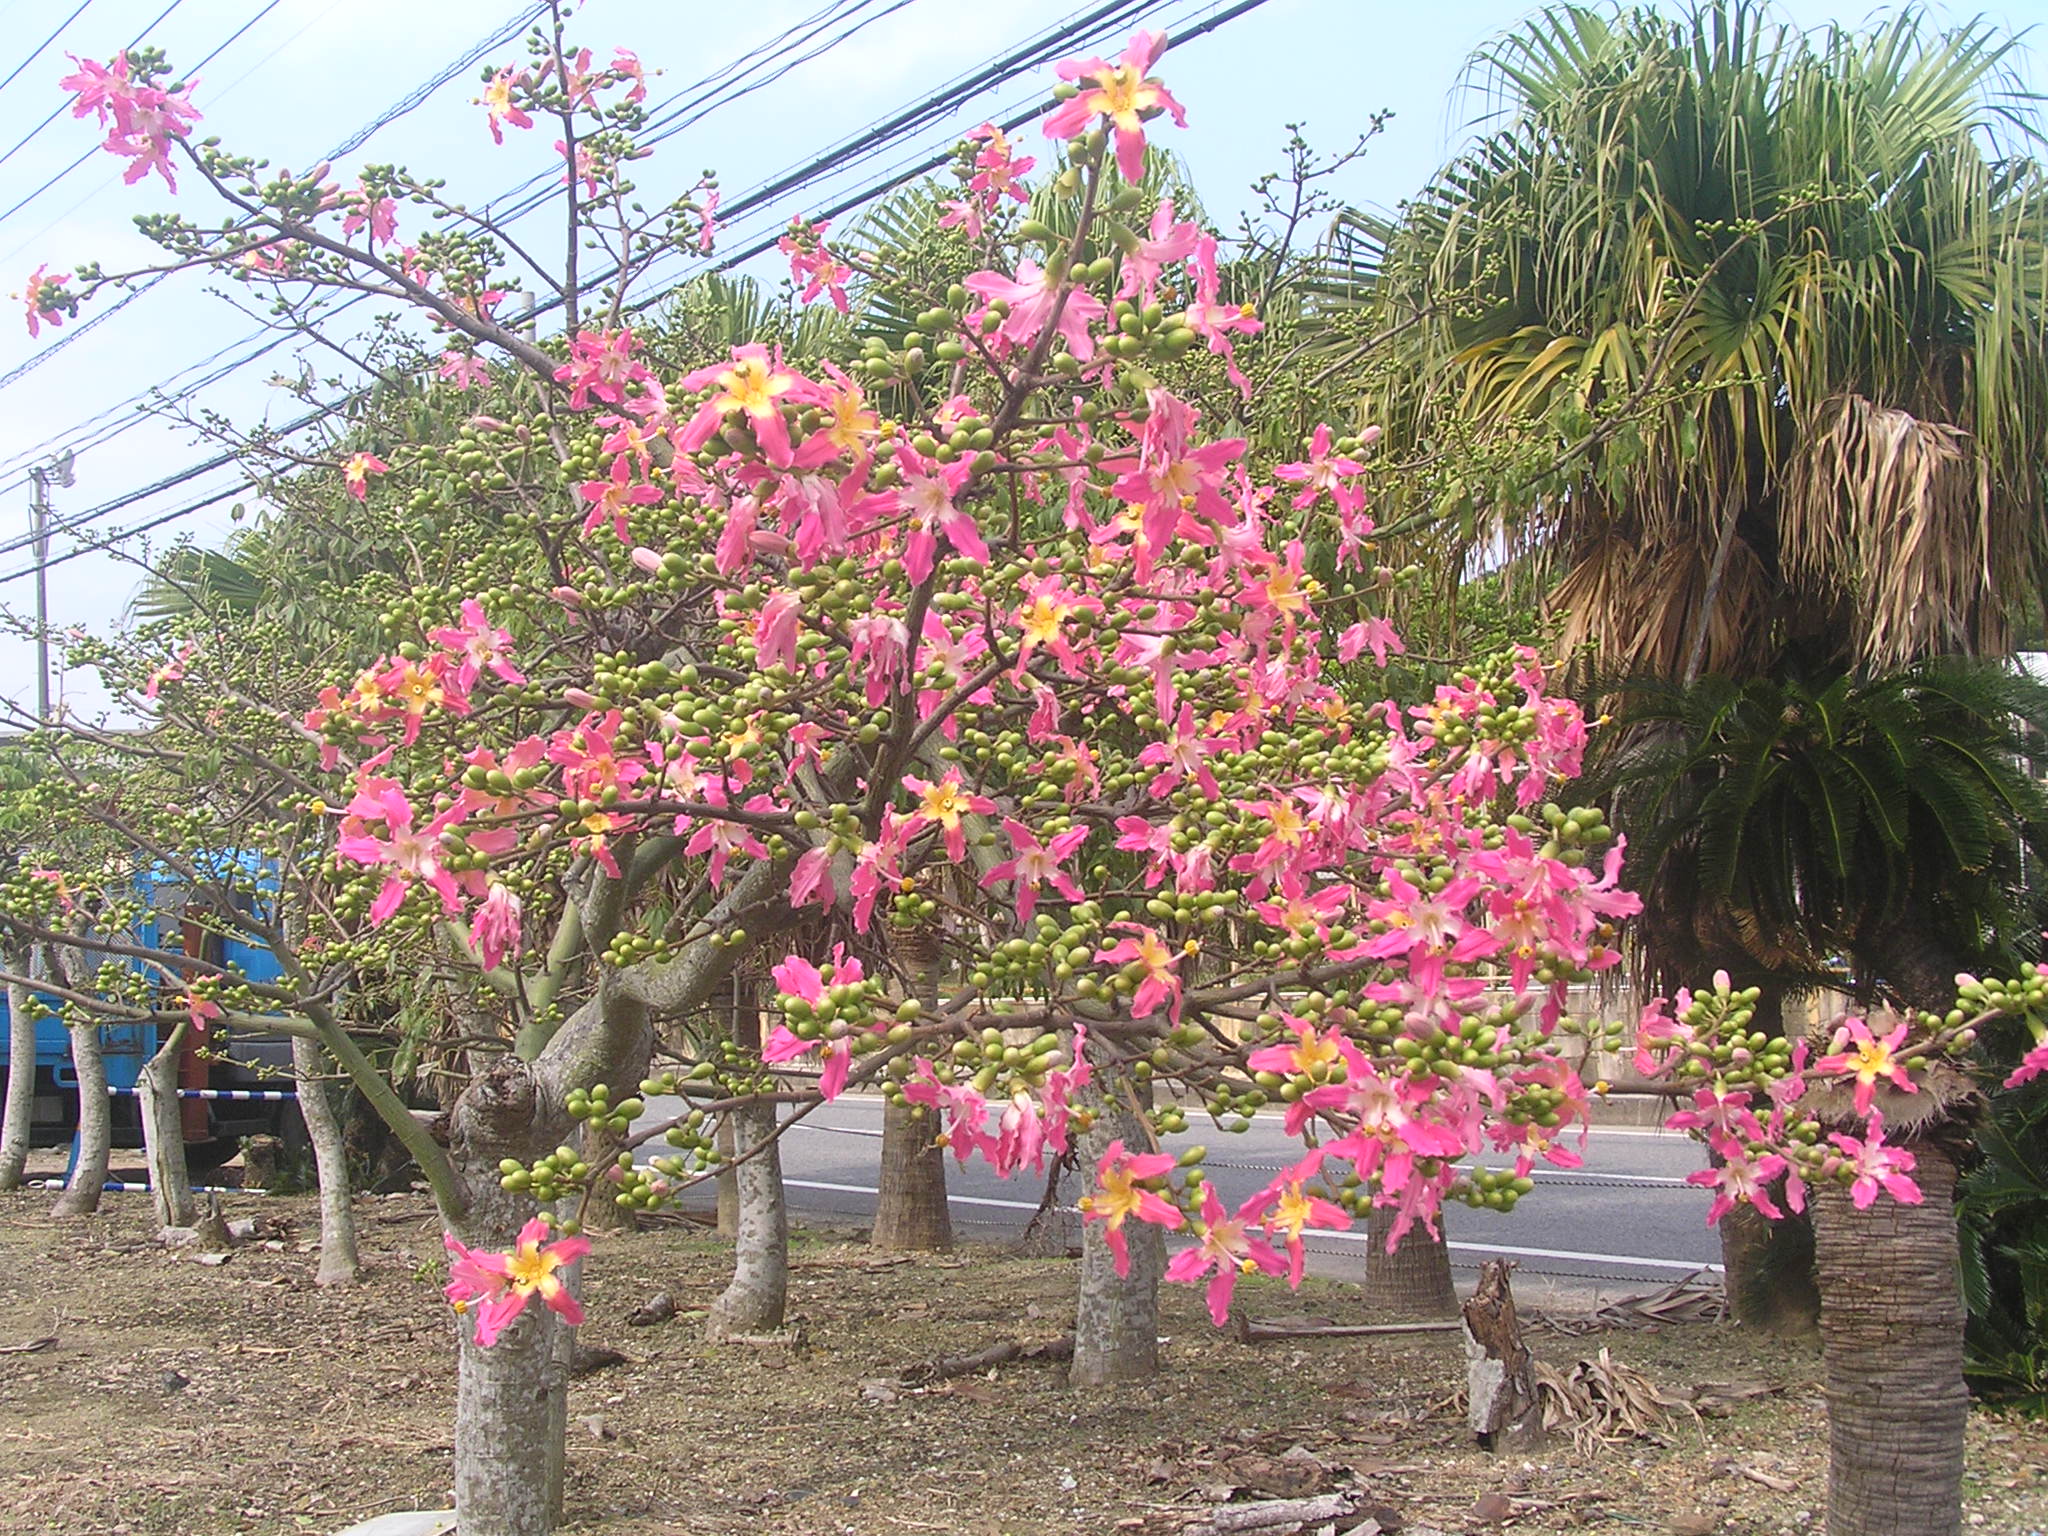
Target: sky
302, 76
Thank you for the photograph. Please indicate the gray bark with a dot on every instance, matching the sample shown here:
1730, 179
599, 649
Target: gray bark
339, 1264
754, 1300
19, 1118
81, 1196
1116, 1317
1891, 1328
163, 1137
728, 1182
1412, 1282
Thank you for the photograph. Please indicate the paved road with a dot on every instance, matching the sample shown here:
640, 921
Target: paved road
1627, 1215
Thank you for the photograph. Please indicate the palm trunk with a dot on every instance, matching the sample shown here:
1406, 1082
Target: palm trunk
339, 1264
163, 1135
753, 1301
911, 1214
1892, 1354
1116, 1317
1411, 1284
19, 1119
81, 1196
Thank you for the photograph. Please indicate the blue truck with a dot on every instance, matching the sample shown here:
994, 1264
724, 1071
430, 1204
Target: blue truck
213, 1127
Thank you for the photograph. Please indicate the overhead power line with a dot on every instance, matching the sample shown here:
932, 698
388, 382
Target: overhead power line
893, 179
37, 51
58, 110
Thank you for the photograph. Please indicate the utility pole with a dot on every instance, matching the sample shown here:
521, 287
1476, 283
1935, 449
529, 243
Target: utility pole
40, 477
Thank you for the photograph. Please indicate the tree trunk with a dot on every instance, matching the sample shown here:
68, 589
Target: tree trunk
728, 1182
753, 1301
1500, 1373
1414, 1281
1891, 1327
163, 1136
19, 1119
600, 1149
81, 1196
511, 1400
1116, 1317
911, 1214
339, 1264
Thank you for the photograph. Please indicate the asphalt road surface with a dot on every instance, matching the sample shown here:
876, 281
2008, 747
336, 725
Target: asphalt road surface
1626, 1216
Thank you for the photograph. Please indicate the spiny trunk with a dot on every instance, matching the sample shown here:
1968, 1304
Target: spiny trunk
753, 1301
339, 1264
81, 1196
1891, 1328
163, 1136
911, 1214
21, 1082
1116, 1317
1414, 1281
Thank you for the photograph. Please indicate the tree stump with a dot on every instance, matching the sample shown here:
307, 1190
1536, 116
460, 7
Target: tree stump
1500, 1374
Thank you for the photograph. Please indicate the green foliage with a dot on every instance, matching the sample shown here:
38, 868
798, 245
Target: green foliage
2002, 1209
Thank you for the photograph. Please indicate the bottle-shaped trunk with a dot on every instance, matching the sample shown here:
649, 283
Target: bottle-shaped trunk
1891, 1325
339, 1264
1411, 1284
163, 1135
19, 1117
1116, 1317
88, 1179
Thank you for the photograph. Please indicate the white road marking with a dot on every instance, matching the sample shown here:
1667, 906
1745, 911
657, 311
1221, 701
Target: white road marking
1346, 1237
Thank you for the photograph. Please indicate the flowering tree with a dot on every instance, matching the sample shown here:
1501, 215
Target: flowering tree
984, 638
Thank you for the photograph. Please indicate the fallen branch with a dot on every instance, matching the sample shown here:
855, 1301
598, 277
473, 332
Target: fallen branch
1250, 1332
1270, 1515
33, 1346
987, 1359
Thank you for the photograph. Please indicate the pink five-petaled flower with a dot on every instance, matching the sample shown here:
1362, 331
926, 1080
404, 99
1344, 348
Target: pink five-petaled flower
1032, 295
812, 263
1154, 960
600, 365
497, 101
611, 500
405, 853
927, 501
1740, 1179
1225, 1246
802, 980
496, 929
1373, 634
140, 119
171, 671
2032, 1065
1122, 94
1286, 1211
1860, 1053
943, 803
755, 384
1035, 865
1323, 474
40, 298
1874, 1166
356, 470
479, 645
372, 211
497, 1286
1119, 1195
464, 369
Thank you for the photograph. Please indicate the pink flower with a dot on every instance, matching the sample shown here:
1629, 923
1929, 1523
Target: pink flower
612, 500
1322, 474
171, 671
1739, 1180
1286, 1212
479, 645
43, 299
408, 855
2032, 1065
755, 384
1861, 1054
1875, 1166
499, 1285
356, 470
1123, 95
498, 103
1375, 635
927, 498
1153, 961
1119, 1196
464, 369
1226, 1247
1213, 320
600, 366
812, 263
1168, 242
943, 804
1034, 865
1032, 296
496, 930
368, 210
140, 119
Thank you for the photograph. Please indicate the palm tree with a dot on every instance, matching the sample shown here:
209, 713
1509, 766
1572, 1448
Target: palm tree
1737, 332
1870, 834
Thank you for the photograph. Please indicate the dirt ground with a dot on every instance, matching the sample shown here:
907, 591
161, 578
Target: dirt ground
206, 1400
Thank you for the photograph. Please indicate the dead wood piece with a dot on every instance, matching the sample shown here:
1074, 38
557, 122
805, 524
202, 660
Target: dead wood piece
1756, 1475
658, 1308
33, 1346
1503, 1407
988, 1359
1250, 1331
588, 1360
1270, 1516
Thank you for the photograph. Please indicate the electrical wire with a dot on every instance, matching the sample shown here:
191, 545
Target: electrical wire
894, 179
37, 52
58, 110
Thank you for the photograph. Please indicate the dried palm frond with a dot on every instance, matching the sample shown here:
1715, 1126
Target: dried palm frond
1600, 1401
